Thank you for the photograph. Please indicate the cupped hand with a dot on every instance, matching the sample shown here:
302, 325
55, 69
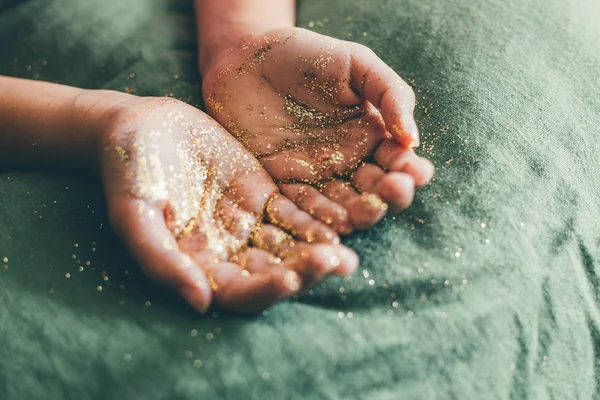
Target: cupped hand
330, 122
202, 216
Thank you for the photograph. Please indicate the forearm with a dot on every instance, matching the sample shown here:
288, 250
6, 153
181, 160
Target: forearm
48, 125
224, 23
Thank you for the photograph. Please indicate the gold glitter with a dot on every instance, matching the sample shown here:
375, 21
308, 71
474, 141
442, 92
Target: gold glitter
187, 261
214, 106
306, 116
292, 281
211, 281
335, 261
274, 260
374, 202
245, 273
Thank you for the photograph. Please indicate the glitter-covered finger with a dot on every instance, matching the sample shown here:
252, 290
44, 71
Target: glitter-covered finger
256, 260
315, 262
391, 95
282, 212
395, 188
312, 201
238, 289
365, 209
311, 261
142, 227
273, 239
393, 157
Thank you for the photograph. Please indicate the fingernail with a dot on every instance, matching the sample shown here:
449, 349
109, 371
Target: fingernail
196, 298
346, 229
333, 257
331, 237
413, 131
350, 261
291, 280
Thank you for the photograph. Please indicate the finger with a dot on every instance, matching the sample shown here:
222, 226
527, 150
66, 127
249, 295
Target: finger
322, 260
365, 209
311, 261
238, 290
142, 227
256, 260
382, 87
393, 157
309, 199
282, 212
272, 239
395, 188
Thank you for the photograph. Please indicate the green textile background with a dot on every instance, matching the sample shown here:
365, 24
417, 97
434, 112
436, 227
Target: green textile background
487, 288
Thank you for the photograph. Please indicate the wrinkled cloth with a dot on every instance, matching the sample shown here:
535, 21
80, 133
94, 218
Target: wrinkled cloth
486, 288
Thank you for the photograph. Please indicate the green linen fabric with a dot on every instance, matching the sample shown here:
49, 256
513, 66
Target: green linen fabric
486, 288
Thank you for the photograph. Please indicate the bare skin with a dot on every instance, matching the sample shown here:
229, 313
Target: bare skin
329, 121
195, 208
201, 214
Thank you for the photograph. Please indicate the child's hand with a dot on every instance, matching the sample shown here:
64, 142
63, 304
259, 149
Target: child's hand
330, 121
201, 215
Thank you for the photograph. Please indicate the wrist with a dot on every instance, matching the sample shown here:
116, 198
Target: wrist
224, 24
91, 113
217, 41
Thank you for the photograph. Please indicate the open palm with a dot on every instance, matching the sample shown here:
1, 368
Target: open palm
329, 121
201, 215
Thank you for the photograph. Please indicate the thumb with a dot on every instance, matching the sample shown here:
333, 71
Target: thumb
142, 228
377, 83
